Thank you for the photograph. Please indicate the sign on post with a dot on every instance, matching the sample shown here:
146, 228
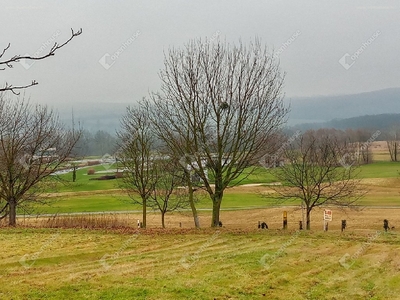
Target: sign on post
285, 219
327, 217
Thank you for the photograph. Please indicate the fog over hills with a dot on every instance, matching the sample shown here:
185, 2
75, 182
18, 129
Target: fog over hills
327, 108
93, 116
375, 109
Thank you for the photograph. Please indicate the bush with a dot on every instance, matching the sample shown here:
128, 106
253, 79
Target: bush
119, 174
91, 221
93, 162
91, 172
105, 177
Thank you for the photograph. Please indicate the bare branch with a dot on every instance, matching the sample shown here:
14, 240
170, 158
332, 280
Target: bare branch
8, 63
4, 51
13, 89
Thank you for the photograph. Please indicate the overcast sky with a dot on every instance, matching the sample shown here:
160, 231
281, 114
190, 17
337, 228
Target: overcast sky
325, 47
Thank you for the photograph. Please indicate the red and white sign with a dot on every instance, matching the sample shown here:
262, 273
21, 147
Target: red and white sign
327, 215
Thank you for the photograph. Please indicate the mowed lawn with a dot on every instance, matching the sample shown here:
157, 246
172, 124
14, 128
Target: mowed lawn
380, 179
202, 264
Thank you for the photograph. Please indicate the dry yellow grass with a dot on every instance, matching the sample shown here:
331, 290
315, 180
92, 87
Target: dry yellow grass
362, 219
205, 264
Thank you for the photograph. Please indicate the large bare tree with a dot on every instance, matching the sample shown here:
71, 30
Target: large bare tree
317, 171
33, 145
217, 108
11, 60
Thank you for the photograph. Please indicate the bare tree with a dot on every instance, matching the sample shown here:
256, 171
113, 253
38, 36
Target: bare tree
392, 142
169, 193
222, 103
363, 145
33, 145
137, 156
192, 186
393, 147
9, 62
155, 177
317, 173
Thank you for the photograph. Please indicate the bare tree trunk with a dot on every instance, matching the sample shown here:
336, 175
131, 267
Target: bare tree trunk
217, 199
144, 213
308, 226
194, 210
74, 174
13, 213
191, 202
163, 219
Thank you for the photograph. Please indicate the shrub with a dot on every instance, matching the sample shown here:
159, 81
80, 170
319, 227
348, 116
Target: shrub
105, 177
119, 174
93, 162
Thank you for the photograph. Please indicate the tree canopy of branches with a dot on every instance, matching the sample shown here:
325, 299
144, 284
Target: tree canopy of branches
9, 62
218, 107
136, 156
316, 173
97, 143
392, 142
151, 178
33, 144
169, 193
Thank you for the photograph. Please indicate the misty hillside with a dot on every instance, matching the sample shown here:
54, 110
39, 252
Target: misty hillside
328, 111
327, 108
94, 116
372, 122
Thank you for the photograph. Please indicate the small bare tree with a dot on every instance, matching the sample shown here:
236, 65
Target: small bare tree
169, 193
151, 178
392, 142
9, 62
317, 173
393, 147
217, 108
137, 156
33, 145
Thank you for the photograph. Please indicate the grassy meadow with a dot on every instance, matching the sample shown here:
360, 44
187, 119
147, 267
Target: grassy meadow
380, 179
203, 264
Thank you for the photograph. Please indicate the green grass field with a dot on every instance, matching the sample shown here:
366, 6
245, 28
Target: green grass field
87, 195
383, 169
205, 264
117, 201
83, 182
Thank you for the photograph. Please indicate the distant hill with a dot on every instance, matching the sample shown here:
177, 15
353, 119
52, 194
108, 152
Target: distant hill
345, 111
327, 108
93, 116
374, 122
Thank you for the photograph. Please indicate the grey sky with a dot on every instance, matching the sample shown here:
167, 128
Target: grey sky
317, 35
